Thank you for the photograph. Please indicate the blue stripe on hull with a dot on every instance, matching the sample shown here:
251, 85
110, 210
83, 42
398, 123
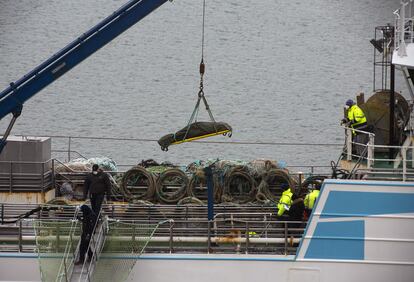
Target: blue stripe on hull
350, 203
337, 240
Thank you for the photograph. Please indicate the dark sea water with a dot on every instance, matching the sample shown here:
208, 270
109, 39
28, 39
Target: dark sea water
276, 70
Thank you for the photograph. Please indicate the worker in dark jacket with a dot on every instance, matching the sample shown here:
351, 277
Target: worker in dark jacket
295, 214
97, 184
88, 223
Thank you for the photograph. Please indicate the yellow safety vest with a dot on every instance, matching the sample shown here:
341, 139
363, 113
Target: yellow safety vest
356, 115
284, 202
310, 199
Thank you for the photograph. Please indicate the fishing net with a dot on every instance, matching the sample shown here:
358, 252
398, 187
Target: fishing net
81, 164
124, 243
56, 243
105, 163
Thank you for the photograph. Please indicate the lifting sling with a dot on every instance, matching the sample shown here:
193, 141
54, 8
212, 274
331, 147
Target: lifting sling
197, 130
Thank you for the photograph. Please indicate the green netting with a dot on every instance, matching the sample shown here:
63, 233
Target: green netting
124, 243
56, 242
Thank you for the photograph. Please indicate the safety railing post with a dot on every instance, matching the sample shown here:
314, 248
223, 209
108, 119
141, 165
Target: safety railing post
2, 213
20, 236
57, 237
286, 237
348, 144
402, 47
43, 178
209, 237
404, 160
53, 175
11, 177
171, 237
65, 269
370, 156
412, 153
247, 237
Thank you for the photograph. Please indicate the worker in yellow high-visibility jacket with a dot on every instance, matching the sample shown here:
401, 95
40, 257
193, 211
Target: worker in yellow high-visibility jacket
356, 119
285, 200
310, 199
355, 116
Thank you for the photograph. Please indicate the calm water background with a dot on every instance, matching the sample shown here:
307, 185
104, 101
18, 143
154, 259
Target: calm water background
276, 70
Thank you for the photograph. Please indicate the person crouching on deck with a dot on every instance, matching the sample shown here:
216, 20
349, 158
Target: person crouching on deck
285, 200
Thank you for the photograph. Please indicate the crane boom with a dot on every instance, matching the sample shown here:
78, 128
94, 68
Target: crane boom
14, 96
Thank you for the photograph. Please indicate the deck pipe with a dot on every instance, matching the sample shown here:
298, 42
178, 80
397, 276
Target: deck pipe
392, 109
210, 192
163, 239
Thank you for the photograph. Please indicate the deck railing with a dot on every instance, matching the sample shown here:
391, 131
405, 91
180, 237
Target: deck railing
404, 27
376, 167
19, 176
183, 229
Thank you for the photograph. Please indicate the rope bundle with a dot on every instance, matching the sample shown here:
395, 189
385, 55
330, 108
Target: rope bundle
172, 186
239, 185
197, 187
234, 182
134, 180
275, 178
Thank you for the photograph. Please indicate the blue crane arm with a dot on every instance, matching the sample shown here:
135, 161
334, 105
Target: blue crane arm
13, 97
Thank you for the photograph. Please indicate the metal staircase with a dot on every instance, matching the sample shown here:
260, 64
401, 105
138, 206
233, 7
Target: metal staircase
85, 271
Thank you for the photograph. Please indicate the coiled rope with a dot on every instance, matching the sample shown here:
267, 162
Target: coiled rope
172, 186
239, 185
271, 178
133, 181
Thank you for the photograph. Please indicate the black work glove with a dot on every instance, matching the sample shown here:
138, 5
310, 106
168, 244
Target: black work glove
344, 121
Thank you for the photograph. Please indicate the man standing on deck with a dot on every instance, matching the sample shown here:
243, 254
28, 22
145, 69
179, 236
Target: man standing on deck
96, 184
355, 116
356, 119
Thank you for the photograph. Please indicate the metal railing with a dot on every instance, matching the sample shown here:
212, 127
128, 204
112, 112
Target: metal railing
233, 230
399, 168
26, 176
404, 27
96, 243
362, 148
